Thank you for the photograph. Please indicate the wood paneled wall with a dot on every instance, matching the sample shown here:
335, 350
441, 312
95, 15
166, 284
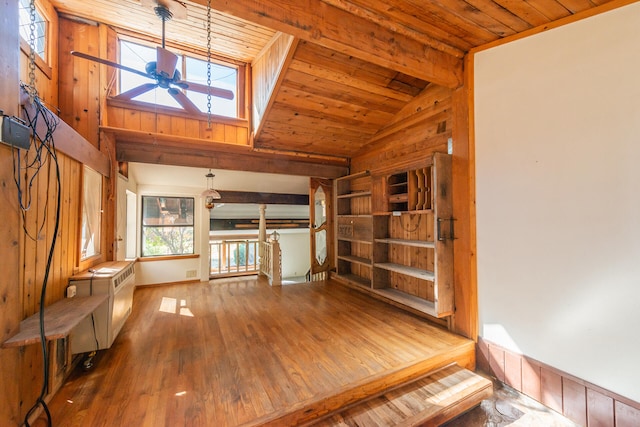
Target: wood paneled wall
27, 236
126, 115
265, 72
11, 361
418, 130
22, 297
80, 80
24, 258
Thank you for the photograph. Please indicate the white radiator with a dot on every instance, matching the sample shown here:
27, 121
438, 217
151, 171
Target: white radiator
99, 330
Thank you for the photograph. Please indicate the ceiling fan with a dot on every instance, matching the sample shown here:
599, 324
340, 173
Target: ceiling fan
163, 71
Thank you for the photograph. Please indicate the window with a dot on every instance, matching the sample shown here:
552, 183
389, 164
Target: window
192, 69
91, 213
40, 32
167, 225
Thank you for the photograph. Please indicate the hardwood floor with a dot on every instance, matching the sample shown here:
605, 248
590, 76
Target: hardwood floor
239, 352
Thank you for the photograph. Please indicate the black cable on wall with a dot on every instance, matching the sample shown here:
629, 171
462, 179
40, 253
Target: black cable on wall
44, 153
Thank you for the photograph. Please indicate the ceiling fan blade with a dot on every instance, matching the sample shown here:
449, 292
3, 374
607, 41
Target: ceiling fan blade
138, 90
215, 91
184, 101
110, 63
181, 84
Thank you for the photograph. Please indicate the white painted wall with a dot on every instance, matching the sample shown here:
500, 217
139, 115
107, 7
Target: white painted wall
157, 272
296, 250
294, 243
558, 197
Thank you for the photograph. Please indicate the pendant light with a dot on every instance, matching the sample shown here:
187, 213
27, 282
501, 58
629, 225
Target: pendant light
210, 194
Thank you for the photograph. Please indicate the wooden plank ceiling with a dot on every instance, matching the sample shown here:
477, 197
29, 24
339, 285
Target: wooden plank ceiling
358, 62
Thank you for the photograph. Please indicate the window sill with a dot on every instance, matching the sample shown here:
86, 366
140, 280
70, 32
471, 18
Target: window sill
166, 257
90, 262
161, 109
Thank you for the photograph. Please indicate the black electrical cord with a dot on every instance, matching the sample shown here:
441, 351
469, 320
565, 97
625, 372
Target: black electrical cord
45, 150
40, 155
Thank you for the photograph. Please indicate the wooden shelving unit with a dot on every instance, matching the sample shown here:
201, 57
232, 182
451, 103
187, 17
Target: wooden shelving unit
394, 235
354, 228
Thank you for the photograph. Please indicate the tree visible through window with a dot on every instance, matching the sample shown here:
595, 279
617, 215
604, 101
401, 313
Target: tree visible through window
167, 225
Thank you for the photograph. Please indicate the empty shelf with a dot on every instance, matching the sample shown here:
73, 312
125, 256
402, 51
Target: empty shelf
355, 194
409, 271
404, 242
355, 259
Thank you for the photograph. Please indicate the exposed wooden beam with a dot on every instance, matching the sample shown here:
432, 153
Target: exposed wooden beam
242, 158
266, 198
465, 275
252, 224
207, 145
70, 142
395, 26
337, 29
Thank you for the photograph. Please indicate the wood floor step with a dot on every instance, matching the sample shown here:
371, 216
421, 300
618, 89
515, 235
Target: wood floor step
429, 401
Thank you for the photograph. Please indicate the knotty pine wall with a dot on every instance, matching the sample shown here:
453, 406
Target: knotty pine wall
26, 238
408, 142
132, 116
423, 127
81, 82
11, 360
265, 72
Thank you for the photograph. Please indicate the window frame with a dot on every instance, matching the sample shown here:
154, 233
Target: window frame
238, 66
43, 62
191, 226
89, 261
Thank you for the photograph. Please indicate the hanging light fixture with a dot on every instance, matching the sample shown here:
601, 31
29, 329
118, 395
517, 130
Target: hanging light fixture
210, 194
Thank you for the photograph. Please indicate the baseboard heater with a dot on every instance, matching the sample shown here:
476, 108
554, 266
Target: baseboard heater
98, 331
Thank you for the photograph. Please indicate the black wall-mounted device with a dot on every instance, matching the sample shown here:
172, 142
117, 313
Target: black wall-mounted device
14, 132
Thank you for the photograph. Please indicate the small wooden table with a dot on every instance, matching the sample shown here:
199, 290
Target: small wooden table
59, 319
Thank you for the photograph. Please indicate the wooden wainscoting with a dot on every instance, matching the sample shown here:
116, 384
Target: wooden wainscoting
578, 400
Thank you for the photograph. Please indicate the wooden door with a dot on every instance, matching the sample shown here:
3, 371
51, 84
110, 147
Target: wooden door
321, 227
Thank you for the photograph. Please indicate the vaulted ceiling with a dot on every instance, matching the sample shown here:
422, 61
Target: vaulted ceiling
357, 62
